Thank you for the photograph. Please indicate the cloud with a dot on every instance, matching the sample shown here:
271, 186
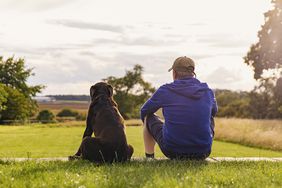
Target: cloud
32, 5
137, 41
41, 52
88, 25
223, 76
223, 41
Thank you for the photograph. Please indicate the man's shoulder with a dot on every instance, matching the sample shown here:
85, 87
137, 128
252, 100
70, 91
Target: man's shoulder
165, 87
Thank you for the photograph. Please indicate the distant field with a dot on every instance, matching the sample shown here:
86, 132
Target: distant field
56, 106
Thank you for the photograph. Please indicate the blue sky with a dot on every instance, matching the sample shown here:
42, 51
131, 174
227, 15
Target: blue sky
74, 43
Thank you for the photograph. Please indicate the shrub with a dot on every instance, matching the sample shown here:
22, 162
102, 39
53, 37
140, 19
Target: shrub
80, 117
46, 116
67, 113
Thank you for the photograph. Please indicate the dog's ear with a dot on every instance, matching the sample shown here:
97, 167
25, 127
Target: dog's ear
111, 90
92, 92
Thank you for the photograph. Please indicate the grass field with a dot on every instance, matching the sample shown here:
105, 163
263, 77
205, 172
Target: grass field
259, 133
141, 174
57, 106
61, 140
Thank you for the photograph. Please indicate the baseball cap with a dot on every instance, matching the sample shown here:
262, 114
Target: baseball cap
183, 64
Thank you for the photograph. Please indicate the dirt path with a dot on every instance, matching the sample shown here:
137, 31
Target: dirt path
210, 159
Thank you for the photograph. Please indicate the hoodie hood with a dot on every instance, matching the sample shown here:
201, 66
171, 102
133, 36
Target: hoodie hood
188, 87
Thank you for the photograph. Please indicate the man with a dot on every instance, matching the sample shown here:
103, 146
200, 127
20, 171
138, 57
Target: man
188, 107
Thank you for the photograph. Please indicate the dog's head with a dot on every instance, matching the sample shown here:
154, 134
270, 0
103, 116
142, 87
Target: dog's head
101, 89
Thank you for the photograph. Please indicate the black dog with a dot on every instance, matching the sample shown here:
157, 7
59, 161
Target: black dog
109, 144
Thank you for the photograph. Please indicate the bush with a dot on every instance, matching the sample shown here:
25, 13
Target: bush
46, 116
81, 117
67, 113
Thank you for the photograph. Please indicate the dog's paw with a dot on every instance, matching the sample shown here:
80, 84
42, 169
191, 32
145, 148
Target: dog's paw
74, 157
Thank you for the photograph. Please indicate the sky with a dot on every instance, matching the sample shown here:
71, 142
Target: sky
72, 44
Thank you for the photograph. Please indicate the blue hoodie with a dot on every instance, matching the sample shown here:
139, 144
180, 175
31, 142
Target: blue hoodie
188, 107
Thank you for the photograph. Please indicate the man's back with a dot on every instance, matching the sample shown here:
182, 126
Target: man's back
188, 107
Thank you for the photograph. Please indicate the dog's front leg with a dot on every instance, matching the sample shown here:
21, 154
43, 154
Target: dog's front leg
88, 130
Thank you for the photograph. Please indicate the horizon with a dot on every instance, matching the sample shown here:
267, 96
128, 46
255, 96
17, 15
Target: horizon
74, 43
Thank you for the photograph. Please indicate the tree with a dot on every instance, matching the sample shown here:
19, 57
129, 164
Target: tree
16, 106
232, 103
14, 74
46, 116
3, 98
19, 103
266, 58
130, 91
266, 53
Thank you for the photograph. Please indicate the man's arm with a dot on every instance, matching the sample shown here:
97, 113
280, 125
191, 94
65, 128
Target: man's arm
214, 106
152, 104
213, 112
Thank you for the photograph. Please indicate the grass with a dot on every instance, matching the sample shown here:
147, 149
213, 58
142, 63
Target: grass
141, 174
258, 133
59, 140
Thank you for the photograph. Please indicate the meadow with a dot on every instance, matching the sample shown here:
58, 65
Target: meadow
59, 140
258, 133
62, 139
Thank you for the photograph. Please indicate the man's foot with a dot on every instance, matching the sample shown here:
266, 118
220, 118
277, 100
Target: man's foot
150, 156
74, 157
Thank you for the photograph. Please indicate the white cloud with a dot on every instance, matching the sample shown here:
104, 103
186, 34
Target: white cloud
87, 25
33, 5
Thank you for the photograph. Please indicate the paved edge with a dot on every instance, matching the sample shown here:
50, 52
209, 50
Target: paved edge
210, 159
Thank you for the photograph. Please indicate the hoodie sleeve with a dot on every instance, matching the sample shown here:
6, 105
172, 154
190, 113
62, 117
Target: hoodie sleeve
152, 104
214, 105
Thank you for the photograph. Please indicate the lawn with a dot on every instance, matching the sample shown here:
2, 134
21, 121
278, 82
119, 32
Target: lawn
60, 140
141, 174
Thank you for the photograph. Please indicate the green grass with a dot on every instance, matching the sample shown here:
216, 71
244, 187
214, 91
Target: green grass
53, 141
141, 174
59, 140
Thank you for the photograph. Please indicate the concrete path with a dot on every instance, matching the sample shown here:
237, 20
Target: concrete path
210, 159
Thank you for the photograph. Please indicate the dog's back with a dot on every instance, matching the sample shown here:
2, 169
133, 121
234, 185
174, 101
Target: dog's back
109, 143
